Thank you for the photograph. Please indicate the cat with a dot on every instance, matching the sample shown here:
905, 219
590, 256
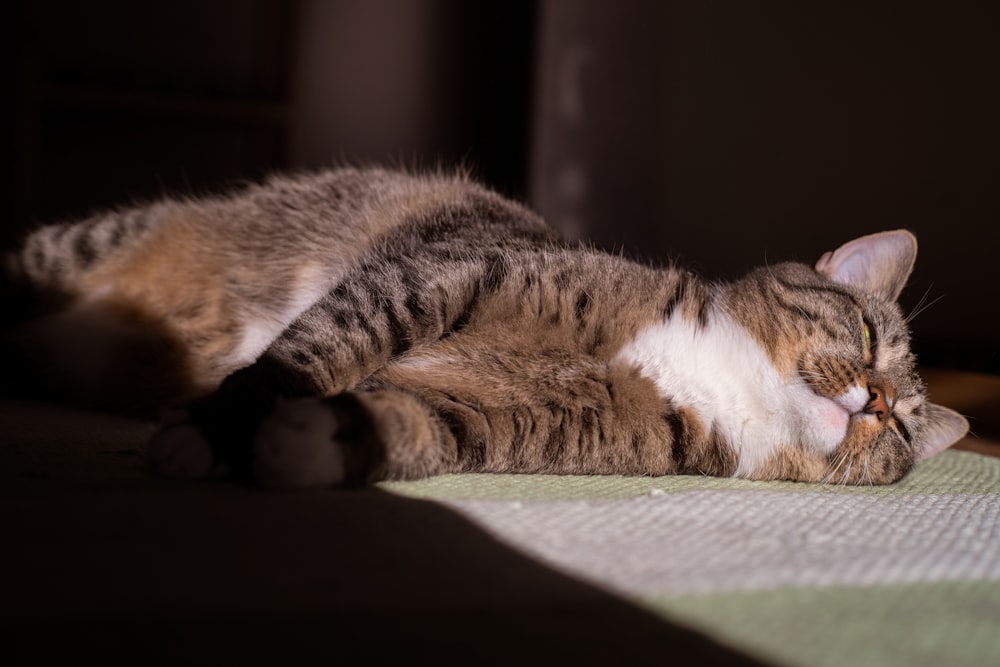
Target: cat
354, 325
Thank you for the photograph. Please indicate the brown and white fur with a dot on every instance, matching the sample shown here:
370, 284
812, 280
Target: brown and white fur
356, 325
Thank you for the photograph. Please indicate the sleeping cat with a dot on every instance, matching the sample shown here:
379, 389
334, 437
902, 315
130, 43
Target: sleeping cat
356, 325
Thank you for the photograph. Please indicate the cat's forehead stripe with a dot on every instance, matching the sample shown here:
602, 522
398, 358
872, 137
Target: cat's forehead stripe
828, 289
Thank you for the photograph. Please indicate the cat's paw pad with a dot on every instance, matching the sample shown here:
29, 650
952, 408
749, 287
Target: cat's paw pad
295, 446
179, 449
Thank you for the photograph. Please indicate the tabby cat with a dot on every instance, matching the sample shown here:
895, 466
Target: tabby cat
360, 324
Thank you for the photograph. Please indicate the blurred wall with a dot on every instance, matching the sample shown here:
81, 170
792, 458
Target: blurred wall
110, 101
727, 134
416, 83
721, 134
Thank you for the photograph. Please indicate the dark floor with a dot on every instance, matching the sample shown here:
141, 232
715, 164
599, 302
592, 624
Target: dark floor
102, 561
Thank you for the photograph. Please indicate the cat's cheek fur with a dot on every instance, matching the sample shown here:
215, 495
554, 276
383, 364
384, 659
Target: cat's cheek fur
870, 455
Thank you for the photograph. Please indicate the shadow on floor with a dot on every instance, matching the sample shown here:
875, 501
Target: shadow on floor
102, 561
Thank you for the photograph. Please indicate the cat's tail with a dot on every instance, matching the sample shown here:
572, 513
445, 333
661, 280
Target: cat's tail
55, 257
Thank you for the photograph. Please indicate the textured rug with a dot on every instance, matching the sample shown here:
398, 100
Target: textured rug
795, 574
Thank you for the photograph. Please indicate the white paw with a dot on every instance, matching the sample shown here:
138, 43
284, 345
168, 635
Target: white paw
178, 449
295, 446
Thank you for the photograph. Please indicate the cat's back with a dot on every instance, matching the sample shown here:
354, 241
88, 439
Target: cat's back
268, 241
216, 278
333, 214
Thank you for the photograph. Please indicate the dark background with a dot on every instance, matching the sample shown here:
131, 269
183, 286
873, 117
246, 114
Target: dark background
719, 134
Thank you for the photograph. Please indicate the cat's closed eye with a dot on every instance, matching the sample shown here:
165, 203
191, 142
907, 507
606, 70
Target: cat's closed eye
870, 339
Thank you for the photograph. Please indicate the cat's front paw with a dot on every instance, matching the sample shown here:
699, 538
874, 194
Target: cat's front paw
178, 449
296, 446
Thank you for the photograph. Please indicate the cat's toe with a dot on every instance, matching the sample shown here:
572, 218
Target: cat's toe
180, 450
295, 446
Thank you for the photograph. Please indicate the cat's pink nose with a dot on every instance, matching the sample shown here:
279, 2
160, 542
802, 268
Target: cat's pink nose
880, 404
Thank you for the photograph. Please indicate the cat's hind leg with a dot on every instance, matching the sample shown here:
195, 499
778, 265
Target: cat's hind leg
300, 444
180, 450
351, 439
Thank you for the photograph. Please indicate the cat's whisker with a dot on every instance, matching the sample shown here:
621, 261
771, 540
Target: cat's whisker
847, 474
922, 306
919, 304
840, 461
806, 316
833, 468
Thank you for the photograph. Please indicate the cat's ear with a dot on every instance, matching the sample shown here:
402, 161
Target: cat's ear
879, 264
942, 429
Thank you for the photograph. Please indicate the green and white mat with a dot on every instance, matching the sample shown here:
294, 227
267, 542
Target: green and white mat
796, 574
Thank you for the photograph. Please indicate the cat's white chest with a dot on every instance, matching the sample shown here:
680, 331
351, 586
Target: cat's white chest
727, 378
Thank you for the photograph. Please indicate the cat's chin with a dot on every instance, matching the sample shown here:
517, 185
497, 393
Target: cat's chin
824, 424
833, 422
827, 421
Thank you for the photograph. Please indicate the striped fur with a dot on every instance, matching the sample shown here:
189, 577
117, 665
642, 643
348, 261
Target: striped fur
380, 325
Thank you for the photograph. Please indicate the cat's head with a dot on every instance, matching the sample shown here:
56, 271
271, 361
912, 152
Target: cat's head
857, 407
